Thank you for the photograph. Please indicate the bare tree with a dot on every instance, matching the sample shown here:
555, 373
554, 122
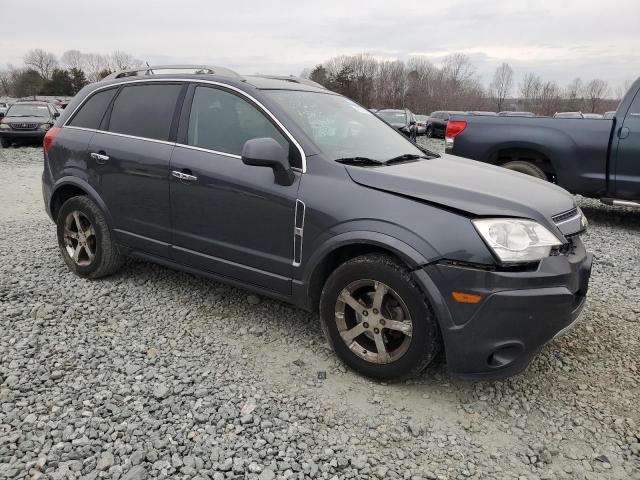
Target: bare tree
120, 60
73, 59
42, 62
594, 92
501, 86
5, 82
95, 65
621, 90
574, 95
530, 91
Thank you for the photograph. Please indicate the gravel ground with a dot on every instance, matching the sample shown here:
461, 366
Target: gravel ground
155, 373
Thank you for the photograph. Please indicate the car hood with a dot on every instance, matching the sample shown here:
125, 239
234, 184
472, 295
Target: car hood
472, 187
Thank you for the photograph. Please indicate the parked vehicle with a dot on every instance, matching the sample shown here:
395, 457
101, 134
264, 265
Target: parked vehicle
402, 120
609, 115
437, 125
266, 184
26, 122
421, 124
516, 114
596, 159
568, 115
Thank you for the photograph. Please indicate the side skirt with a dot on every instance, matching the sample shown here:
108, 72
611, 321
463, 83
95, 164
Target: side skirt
219, 278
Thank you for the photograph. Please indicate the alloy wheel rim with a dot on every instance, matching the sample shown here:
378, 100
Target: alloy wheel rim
373, 321
79, 238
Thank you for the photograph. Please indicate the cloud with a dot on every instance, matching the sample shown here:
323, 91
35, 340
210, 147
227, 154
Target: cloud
559, 41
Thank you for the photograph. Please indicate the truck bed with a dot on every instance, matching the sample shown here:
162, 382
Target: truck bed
577, 149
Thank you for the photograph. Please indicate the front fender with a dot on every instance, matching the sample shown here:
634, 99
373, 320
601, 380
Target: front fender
405, 252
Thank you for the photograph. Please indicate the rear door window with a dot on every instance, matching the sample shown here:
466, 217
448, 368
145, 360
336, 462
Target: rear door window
92, 111
145, 110
223, 122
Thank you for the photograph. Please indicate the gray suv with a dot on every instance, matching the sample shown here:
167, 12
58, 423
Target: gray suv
279, 186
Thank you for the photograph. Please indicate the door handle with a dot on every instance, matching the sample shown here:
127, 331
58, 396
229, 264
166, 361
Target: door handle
99, 157
184, 176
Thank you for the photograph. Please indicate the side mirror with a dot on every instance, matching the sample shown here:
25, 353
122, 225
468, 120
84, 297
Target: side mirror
412, 122
56, 115
1, 114
266, 152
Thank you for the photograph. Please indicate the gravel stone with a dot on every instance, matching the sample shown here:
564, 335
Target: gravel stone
153, 373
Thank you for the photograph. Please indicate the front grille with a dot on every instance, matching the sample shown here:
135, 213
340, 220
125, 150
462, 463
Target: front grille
565, 215
23, 126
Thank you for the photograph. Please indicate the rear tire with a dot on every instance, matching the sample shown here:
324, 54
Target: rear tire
429, 132
527, 168
377, 319
85, 240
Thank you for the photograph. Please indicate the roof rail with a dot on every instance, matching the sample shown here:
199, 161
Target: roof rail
153, 70
292, 79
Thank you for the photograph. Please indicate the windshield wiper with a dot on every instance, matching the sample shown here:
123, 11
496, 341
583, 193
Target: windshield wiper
404, 158
359, 161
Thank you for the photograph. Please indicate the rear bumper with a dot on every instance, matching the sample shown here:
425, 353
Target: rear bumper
23, 136
518, 314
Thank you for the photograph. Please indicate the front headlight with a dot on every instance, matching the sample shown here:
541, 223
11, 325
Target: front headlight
45, 126
516, 240
4, 126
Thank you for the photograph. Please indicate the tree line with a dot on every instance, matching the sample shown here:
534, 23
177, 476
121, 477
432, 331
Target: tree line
423, 87
43, 73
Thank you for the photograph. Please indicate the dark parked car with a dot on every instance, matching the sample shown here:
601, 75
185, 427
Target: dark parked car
402, 120
302, 195
596, 158
26, 122
437, 125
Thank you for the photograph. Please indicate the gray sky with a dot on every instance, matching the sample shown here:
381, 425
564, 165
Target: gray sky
559, 39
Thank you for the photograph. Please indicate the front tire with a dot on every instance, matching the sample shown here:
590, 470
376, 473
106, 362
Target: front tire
527, 168
85, 240
429, 132
377, 319
5, 143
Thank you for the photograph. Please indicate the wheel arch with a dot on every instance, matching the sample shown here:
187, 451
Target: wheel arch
345, 246
528, 152
68, 187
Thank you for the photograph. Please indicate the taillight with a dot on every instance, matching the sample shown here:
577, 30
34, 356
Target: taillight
455, 128
49, 138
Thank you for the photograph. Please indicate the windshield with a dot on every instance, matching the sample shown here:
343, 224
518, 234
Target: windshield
340, 128
395, 118
18, 110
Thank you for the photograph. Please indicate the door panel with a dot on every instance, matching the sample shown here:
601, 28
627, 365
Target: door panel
134, 184
233, 220
627, 167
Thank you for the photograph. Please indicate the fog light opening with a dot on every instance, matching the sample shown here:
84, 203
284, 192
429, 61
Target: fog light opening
505, 355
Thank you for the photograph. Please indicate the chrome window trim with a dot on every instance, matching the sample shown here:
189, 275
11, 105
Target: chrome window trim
197, 81
122, 135
201, 149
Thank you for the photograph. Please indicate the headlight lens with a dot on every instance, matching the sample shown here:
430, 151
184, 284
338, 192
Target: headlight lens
516, 240
45, 126
4, 126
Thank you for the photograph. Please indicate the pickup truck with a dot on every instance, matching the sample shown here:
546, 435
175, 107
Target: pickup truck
597, 158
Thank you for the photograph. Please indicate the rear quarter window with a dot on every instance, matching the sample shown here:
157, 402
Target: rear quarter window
92, 111
145, 110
